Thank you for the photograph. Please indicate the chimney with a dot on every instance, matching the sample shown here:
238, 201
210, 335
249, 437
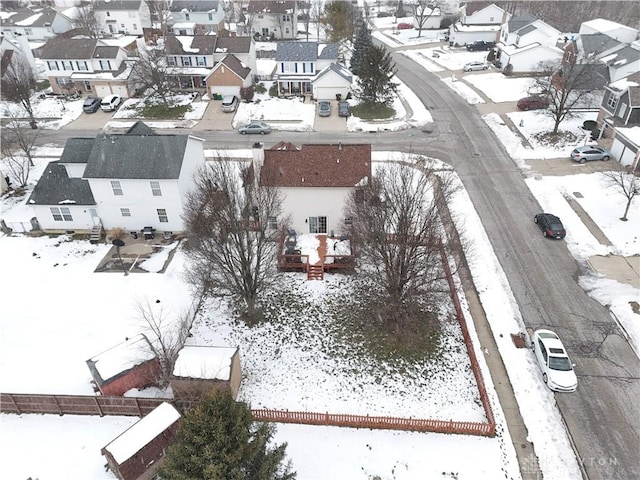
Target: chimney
257, 153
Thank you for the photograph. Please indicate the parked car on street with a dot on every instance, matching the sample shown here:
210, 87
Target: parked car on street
91, 104
550, 225
255, 127
586, 153
552, 358
110, 103
533, 103
404, 26
324, 108
480, 45
343, 109
472, 66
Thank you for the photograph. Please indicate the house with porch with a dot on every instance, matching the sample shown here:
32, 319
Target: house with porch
478, 21
299, 63
189, 17
126, 17
128, 181
138, 452
86, 65
268, 19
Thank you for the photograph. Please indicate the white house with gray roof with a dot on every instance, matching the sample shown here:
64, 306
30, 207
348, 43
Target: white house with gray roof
127, 181
299, 63
269, 19
126, 17
35, 23
198, 17
86, 65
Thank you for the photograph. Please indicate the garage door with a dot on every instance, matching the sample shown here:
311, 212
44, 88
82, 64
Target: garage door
620, 151
224, 91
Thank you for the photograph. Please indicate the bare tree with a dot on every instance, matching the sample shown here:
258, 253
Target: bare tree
18, 85
566, 84
423, 10
396, 224
160, 13
304, 7
87, 21
18, 141
152, 72
231, 226
166, 335
625, 183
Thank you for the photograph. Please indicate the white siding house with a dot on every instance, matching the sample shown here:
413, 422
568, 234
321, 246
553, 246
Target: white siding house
614, 30
125, 181
127, 17
476, 14
269, 19
315, 181
529, 58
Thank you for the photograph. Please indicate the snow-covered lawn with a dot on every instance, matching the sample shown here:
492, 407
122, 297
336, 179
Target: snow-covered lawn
500, 88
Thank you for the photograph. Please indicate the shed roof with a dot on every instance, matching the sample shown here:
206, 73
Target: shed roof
143, 432
121, 358
204, 362
55, 187
332, 165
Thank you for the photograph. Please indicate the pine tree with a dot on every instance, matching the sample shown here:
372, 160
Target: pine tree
375, 73
360, 46
218, 440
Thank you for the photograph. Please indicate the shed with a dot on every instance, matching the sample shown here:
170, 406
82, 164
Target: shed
130, 364
138, 452
201, 370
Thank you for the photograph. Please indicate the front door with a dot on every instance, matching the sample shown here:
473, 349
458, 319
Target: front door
317, 224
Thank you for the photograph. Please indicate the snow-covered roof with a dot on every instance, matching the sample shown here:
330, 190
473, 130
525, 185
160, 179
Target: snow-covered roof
476, 28
132, 440
191, 25
200, 361
265, 66
632, 133
124, 356
29, 21
186, 44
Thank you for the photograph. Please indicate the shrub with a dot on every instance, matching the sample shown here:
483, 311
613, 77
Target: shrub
260, 88
246, 93
273, 91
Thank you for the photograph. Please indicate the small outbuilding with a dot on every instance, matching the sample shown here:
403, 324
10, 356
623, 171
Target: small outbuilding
138, 452
201, 370
130, 364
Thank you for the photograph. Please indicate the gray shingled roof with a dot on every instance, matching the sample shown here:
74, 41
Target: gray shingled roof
305, 51
528, 29
204, 43
333, 67
597, 43
136, 156
516, 23
194, 6
233, 44
236, 66
117, 5
68, 48
269, 6
56, 188
46, 18
105, 51
77, 150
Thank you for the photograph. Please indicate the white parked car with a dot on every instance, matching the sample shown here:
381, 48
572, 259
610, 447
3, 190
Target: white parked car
110, 103
557, 369
471, 66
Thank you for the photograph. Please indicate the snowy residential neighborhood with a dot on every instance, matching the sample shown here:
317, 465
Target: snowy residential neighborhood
134, 213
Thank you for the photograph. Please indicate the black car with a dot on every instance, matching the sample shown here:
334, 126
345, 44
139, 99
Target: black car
91, 104
343, 108
550, 225
480, 45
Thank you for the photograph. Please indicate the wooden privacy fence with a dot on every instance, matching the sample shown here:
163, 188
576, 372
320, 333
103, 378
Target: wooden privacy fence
76, 404
365, 421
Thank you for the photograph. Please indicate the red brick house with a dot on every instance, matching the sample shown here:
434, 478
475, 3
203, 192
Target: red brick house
138, 452
130, 364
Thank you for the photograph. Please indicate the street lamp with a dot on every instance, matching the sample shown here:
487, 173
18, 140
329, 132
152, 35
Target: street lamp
119, 243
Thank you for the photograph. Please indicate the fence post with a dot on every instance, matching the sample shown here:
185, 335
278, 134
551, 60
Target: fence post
95, 399
55, 400
138, 407
15, 404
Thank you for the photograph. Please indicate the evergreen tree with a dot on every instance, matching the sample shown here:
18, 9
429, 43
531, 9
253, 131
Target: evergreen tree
375, 71
360, 46
218, 440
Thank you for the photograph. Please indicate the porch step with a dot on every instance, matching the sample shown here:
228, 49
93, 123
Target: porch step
315, 272
96, 234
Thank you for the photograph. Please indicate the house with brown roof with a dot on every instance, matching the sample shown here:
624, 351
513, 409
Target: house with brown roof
86, 65
315, 180
228, 77
138, 452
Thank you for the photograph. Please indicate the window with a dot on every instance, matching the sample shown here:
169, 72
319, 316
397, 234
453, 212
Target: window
348, 221
623, 110
155, 188
67, 65
52, 65
162, 215
186, 61
201, 61
125, 212
286, 18
612, 101
28, 31
116, 187
108, 14
286, 30
210, 16
171, 61
105, 64
186, 16
273, 223
61, 214
135, 26
82, 65
87, 85
317, 224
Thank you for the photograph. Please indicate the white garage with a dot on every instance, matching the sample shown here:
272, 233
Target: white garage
333, 80
626, 146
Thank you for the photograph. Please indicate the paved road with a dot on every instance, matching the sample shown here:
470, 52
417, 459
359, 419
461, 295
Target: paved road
603, 414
